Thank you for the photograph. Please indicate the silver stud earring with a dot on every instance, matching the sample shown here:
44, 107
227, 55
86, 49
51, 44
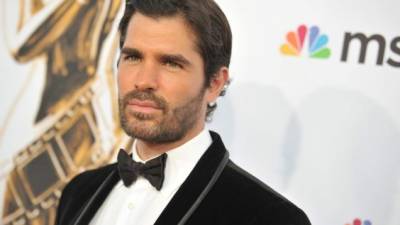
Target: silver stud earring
212, 104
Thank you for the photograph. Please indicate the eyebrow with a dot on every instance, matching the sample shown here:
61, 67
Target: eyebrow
131, 51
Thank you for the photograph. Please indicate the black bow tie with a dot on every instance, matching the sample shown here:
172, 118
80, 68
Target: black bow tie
152, 170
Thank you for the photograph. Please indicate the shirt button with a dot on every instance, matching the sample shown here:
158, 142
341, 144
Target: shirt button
130, 205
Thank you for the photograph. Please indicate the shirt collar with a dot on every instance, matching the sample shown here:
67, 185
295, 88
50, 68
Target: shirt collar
181, 160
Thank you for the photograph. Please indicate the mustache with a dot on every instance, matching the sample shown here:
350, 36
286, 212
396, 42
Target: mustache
159, 101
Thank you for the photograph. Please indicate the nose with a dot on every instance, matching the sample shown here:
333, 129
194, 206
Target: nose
147, 77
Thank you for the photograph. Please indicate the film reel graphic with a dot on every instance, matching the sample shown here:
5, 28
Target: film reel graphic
72, 38
67, 148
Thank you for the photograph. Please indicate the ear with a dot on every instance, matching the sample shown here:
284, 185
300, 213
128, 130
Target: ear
217, 84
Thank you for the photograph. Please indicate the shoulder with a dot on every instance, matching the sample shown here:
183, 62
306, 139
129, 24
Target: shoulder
78, 190
88, 179
257, 202
241, 181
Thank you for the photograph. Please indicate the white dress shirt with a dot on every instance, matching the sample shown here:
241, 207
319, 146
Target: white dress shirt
141, 203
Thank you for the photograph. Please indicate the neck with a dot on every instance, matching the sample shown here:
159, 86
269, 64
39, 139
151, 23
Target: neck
148, 150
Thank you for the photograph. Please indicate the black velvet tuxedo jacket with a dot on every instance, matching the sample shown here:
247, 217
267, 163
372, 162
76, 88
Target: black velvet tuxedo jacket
236, 197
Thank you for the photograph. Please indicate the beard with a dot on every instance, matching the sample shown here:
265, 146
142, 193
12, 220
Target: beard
173, 123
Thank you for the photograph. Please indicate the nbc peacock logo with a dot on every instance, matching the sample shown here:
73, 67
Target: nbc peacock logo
360, 222
296, 41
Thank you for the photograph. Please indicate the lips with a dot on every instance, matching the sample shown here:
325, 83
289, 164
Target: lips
143, 102
143, 106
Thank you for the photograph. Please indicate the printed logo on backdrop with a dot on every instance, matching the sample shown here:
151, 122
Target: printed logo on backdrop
385, 50
316, 46
360, 222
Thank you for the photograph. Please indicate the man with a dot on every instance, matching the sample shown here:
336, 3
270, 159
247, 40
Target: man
173, 66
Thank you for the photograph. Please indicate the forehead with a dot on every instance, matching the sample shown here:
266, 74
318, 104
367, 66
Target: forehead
172, 31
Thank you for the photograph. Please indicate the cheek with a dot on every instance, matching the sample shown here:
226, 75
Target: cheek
180, 93
124, 82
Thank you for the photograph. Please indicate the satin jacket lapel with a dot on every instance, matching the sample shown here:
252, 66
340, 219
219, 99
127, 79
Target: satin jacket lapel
194, 184
91, 206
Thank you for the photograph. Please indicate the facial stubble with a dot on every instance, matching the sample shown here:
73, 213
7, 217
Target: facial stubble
172, 125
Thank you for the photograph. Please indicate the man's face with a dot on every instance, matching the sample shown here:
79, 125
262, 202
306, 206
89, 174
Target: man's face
161, 80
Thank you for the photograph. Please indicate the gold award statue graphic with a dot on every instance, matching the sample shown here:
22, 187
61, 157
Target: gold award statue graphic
72, 44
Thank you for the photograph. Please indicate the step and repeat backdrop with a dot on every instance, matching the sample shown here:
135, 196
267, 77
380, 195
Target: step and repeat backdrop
313, 108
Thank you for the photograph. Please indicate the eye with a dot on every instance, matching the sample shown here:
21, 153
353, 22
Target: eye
131, 58
173, 64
